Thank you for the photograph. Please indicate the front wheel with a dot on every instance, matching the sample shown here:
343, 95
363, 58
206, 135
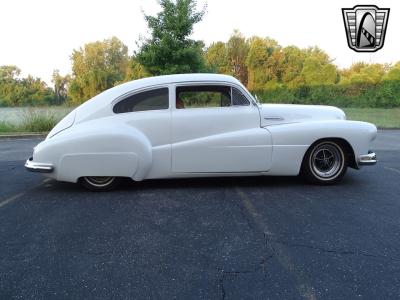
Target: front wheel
99, 183
325, 163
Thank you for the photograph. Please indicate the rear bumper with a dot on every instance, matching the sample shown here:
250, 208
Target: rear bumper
367, 159
38, 167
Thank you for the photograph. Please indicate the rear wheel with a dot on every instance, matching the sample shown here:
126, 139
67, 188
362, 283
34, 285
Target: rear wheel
99, 183
325, 163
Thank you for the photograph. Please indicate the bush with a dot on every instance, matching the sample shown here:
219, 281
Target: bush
33, 121
385, 94
7, 126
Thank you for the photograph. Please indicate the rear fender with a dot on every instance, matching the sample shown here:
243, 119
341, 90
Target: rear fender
85, 150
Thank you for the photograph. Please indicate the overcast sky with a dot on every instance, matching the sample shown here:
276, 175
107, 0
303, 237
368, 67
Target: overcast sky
39, 36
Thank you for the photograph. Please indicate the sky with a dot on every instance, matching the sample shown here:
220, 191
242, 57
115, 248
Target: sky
39, 36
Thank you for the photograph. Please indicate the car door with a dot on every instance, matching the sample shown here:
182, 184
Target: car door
216, 129
147, 111
146, 115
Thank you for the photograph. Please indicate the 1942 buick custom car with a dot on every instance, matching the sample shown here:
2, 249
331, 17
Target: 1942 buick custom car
193, 125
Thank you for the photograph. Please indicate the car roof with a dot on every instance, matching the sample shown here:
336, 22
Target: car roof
176, 78
95, 105
109, 95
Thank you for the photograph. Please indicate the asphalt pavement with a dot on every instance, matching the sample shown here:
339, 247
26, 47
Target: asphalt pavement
216, 238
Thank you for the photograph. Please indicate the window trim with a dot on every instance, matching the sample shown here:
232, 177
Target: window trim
248, 101
220, 83
228, 89
138, 91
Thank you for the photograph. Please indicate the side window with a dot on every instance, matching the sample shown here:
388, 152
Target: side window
238, 98
148, 100
203, 96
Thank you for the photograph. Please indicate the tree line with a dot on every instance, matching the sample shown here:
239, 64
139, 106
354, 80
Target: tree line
273, 72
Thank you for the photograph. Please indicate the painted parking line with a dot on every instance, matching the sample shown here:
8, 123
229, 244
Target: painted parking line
11, 199
15, 197
392, 169
257, 218
303, 284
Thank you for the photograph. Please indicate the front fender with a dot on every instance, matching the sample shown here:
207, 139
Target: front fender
291, 141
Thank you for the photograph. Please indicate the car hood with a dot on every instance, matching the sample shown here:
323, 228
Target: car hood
274, 114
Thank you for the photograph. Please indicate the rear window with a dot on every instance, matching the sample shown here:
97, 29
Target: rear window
149, 100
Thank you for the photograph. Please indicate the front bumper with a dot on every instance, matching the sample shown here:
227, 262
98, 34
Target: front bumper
367, 159
38, 167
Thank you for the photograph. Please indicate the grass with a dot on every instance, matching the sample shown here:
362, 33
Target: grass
30, 121
381, 117
6, 127
38, 122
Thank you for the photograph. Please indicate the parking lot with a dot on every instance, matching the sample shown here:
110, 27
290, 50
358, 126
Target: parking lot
216, 238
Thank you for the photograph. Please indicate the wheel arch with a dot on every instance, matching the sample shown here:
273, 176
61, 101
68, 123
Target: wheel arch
346, 145
294, 139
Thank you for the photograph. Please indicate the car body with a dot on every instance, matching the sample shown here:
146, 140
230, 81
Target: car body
196, 125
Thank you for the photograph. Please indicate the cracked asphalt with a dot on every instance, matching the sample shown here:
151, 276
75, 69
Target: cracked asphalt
217, 238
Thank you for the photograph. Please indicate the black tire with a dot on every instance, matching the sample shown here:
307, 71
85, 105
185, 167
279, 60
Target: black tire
100, 183
325, 162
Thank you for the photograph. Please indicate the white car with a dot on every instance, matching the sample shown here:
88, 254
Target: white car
196, 125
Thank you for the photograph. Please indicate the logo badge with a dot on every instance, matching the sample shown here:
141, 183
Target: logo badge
365, 27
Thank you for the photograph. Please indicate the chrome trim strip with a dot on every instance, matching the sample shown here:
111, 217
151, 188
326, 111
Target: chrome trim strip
367, 159
38, 167
273, 118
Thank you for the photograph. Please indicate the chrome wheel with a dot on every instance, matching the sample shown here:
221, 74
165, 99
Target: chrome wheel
99, 181
326, 161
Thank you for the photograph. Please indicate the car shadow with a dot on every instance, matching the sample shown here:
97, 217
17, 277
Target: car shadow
192, 183
211, 183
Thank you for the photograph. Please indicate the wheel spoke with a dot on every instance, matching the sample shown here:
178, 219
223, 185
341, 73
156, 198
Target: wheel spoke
323, 153
327, 160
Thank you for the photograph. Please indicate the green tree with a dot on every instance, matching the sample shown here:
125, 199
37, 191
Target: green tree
9, 72
264, 60
393, 73
60, 86
169, 50
96, 67
371, 73
16, 91
317, 73
318, 68
34, 91
237, 50
217, 58
292, 66
347, 74
9, 85
363, 73
318, 54
135, 70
